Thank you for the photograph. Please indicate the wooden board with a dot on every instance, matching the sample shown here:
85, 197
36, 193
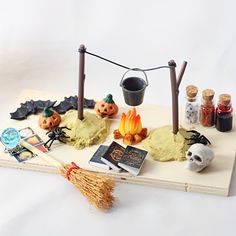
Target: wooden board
213, 180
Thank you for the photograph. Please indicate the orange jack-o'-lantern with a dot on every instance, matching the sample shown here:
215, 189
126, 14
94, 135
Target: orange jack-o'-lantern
49, 119
106, 107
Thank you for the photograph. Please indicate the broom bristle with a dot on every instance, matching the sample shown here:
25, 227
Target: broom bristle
96, 188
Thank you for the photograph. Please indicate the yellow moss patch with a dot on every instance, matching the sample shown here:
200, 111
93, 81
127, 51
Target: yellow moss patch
163, 145
89, 131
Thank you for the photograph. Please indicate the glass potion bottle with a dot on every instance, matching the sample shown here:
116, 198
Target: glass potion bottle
192, 106
207, 109
224, 113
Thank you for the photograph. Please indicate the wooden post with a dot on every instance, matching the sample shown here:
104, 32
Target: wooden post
175, 105
181, 73
82, 51
175, 93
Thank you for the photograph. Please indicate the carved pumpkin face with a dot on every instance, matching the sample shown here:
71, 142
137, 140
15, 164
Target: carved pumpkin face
106, 107
49, 119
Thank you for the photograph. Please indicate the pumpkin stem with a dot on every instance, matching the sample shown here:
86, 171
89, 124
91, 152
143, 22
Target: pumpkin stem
47, 112
108, 99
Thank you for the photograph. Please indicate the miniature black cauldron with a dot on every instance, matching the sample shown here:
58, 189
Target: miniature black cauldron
134, 88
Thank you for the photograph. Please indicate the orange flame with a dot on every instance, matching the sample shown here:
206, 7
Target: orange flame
130, 123
130, 128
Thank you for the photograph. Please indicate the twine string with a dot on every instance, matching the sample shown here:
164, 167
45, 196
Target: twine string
73, 166
123, 66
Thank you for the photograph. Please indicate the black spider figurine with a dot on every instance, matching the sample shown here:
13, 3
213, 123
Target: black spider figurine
196, 137
56, 134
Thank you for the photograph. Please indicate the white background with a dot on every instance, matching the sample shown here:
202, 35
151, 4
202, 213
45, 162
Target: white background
39, 41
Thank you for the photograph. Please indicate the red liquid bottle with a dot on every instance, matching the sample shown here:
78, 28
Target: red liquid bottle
224, 113
207, 109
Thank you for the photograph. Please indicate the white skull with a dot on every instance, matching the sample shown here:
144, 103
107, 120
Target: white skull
198, 157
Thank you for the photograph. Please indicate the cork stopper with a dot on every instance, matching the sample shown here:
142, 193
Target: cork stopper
191, 91
224, 99
208, 94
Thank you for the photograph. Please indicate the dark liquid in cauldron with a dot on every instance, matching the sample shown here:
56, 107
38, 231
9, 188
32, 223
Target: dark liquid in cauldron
134, 84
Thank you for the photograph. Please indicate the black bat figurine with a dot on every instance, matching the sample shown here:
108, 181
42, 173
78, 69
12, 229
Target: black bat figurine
72, 103
33, 107
30, 107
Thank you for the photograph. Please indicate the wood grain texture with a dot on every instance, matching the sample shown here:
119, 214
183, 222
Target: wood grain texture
213, 180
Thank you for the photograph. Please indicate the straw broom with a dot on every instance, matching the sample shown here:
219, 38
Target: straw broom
96, 188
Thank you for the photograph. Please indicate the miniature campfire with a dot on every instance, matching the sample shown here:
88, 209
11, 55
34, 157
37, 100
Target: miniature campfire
130, 128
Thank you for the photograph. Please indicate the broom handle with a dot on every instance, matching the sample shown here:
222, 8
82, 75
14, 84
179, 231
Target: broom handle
42, 155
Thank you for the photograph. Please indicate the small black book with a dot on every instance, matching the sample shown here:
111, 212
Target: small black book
113, 155
96, 158
132, 160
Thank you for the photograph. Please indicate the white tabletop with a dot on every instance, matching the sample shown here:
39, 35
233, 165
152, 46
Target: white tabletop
38, 50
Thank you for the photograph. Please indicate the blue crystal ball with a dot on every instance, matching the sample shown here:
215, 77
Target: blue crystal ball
10, 138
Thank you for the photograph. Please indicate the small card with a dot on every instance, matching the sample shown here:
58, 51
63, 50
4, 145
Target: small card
132, 160
113, 155
34, 140
21, 154
26, 132
96, 158
42, 148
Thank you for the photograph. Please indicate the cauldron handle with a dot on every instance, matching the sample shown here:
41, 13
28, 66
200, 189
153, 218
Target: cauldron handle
134, 69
